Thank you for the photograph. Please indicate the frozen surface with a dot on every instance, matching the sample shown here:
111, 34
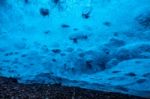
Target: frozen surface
95, 44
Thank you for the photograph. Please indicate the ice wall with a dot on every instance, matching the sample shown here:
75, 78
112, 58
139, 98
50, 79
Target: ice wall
86, 43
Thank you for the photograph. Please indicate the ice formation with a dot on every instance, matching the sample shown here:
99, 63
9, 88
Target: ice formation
94, 44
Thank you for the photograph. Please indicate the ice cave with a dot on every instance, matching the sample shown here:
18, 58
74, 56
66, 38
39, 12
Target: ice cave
93, 44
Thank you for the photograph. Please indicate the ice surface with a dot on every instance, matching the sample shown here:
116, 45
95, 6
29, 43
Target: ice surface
95, 44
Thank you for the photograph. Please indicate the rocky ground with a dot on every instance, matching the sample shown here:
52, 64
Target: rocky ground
11, 89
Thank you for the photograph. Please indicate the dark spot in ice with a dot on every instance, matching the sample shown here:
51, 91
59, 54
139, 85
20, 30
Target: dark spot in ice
75, 29
2, 49
78, 37
144, 47
146, 75
116, 34
131, 74
65, 26
74, 40
23, 55
116, 71
123, 54
8, 54
25, 65
56, 50
81, 54
62, 54
102, 64
6, 61
69, 49
138, 62
117, 42
26, 1
108, 24
85, 15
11, 71
144, 19
45, 49
106, 50
141, 80
44, 11
16, 53
3, 2
20, 45
31, 64
15, 61
59, 4
89, 64
112, 78
55, 1
47, 32
54, 60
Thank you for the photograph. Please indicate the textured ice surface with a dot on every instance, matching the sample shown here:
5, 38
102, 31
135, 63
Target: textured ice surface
95, 44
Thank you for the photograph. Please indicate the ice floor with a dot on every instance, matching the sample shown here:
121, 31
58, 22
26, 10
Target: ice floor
95, 44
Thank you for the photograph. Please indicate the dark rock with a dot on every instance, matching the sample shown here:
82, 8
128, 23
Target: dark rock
10, 89
14, 80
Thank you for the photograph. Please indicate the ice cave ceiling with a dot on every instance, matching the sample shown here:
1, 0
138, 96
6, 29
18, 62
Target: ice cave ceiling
95, 44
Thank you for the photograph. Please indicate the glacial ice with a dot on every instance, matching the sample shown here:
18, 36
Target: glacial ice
94, 44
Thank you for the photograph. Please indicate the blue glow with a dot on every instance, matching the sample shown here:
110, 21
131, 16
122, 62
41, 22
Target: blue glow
94, 44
